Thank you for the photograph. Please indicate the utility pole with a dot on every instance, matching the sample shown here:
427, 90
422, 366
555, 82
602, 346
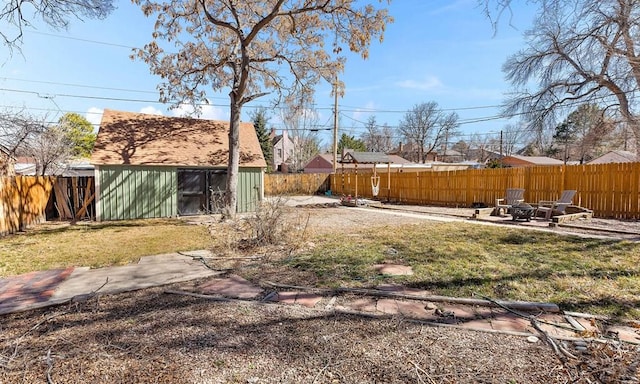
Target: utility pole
335, 124
501, 157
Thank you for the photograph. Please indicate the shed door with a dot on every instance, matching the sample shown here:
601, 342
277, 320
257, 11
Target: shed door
197, 187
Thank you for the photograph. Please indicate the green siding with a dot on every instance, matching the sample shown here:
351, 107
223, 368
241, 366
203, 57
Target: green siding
249, 189
132, 192
137, 192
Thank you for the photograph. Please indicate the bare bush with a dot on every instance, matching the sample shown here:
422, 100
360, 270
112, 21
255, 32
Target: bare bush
272, 224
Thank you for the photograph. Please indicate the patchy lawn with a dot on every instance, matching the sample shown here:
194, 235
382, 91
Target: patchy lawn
334, 247
462, 259
60, 245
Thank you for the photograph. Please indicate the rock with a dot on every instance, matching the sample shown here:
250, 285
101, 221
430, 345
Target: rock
533, 339
430, 306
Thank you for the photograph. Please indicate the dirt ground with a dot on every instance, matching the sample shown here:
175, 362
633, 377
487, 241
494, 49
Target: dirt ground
150, 336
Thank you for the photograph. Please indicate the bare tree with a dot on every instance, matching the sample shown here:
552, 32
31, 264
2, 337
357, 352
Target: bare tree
243, 45
302, 125
377, 139
590, 129
579, 51
51, 149
387, 134
512, 138
16, 128
25, 135
480, 147
426, 127
55, 13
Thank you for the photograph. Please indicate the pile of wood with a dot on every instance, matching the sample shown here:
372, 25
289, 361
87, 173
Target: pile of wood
74, 197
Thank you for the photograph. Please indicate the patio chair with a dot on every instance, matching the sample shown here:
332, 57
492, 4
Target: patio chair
560, 205
513, 196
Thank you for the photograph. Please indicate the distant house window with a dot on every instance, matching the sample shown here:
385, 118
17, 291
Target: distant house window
280, 153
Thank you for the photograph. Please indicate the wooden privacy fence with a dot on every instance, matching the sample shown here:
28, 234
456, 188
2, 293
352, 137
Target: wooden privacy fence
28, 200
23, 201
610, 190
295, 183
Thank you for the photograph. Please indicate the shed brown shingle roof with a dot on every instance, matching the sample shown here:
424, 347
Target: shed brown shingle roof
127, 138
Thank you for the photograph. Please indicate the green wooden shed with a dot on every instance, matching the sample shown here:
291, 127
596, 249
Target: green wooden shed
150, 166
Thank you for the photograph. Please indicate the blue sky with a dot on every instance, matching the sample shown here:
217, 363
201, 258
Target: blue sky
436, 50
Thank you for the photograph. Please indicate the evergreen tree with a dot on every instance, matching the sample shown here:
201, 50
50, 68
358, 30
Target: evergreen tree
350, 142
260, 120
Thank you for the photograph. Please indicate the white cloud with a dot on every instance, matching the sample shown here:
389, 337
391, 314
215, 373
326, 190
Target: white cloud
94, 116
150, 110
429, 83
361, 114
208, 112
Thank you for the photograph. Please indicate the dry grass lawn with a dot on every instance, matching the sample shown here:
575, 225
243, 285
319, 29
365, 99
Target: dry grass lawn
60, 245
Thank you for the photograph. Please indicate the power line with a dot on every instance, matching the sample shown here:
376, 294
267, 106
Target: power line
356, 109
95, 87
79, 39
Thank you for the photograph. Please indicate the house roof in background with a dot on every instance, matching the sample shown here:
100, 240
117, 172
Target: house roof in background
366, 158
618, 156
26, 166
127, 138
395, 159
450, 152
538, 160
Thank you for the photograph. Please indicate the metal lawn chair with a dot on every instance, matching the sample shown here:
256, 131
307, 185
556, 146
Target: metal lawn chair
513, 197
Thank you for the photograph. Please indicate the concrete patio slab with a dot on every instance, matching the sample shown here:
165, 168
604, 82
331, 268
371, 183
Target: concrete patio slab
168, 269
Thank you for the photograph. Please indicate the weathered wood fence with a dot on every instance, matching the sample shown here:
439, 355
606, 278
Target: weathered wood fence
610, 190
29, 200
23, 201
295, 183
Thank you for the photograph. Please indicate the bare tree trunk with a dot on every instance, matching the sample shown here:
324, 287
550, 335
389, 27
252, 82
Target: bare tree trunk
231, 196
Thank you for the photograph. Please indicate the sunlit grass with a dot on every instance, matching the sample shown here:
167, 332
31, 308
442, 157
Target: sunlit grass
459, 259
591, 275
96, 244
